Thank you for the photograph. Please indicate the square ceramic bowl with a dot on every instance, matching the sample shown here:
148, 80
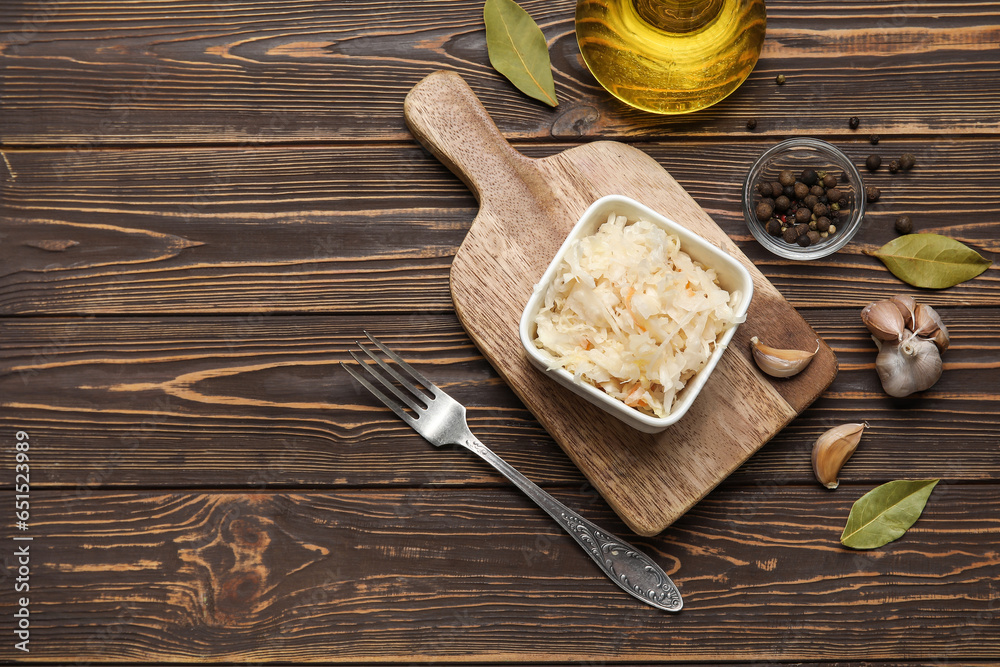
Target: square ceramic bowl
731, 276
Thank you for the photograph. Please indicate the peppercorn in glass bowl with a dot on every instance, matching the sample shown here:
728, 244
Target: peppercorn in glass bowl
803, 199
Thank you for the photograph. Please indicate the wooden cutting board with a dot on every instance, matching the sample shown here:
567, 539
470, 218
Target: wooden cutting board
527, 206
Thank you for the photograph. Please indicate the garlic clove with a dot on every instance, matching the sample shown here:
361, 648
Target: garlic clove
780, 363
927, 324
909, 366
832, 450
884, 320
906, 305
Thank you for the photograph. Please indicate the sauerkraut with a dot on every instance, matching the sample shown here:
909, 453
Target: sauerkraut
633, 314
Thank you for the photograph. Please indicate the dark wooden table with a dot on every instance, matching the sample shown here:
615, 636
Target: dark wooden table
203, 205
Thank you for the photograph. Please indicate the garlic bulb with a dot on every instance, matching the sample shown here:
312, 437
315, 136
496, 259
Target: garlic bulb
884, 320
908, 366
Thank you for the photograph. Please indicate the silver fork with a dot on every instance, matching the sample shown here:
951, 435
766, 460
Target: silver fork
440, 419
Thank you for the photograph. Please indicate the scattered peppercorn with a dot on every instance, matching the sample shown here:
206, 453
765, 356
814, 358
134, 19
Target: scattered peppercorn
872, 193
873, 162
873, 139
893, 167
904, 225
780, 79
907, 161
752, 123
853, 122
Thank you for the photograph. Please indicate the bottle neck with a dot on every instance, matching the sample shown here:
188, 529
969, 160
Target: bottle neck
678, 16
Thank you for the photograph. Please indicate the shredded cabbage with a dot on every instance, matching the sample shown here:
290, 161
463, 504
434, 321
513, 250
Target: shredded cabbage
633, 314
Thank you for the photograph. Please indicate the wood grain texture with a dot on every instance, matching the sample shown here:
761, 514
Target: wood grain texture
255, 401
375, 228
250, 73
526, 209
203, 205
462, 575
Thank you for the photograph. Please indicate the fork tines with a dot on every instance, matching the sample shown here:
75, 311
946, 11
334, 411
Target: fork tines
412, 398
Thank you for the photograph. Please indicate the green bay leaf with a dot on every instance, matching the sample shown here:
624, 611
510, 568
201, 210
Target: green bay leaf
886, 512
518, 50
931, 260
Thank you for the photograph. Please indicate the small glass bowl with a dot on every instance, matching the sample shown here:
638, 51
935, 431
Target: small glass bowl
796, 155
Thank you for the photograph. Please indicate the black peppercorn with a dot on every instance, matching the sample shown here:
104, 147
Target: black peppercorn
907, 161
776, 188
893, 167
829, 181
773, 227
782, 203
904, 225
822, 224
810, 201
803, 215
820, 209
752, 123
873, 162
814, 237
780, 79
801, 190
872, 193
764, 211
789, 235
834, 195
817, 191
873, 139
764, 188
853, 122
786, 177
803, 240
808, 176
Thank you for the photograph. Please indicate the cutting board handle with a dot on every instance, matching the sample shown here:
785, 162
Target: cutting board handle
445, 115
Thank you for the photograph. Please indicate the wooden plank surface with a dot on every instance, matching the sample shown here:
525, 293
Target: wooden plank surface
374, 228
201, 207
249, 73
412, 576
261, 400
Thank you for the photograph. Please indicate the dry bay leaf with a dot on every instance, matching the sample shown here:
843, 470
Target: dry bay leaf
518, 50
886, 512
931, 260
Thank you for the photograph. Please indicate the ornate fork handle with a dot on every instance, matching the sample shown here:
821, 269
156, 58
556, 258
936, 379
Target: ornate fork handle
624, 564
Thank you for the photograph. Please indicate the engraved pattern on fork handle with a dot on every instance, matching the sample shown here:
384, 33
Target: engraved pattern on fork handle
633, 571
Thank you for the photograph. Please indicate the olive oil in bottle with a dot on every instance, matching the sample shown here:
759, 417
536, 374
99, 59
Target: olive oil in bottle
670, 56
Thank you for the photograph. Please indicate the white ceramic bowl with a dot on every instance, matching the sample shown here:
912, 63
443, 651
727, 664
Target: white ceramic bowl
731, 276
